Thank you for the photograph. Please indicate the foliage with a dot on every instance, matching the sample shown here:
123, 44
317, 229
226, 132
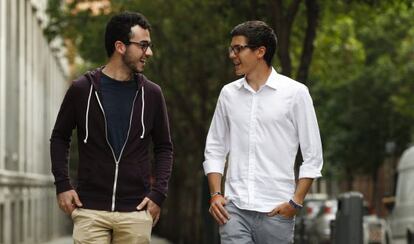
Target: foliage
362, 74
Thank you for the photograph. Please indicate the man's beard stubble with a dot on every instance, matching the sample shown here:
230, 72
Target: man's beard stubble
128, 61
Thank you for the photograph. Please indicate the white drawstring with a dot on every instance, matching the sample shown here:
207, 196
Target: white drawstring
142, 113
87, 115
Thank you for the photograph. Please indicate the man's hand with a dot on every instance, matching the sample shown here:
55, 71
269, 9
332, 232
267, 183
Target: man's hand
217, 209
152, 208
68, 201
284, 209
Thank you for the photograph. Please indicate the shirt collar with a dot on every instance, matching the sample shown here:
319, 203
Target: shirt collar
272, 81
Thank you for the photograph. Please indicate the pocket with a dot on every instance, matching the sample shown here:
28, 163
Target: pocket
229, 205
232, 209
149, 216
74, 213
283, 218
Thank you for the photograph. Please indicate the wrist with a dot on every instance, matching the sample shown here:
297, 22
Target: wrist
295, 205
215, 196
298, 199
215, 193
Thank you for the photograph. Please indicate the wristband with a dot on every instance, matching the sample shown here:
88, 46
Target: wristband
295, 204
215, 193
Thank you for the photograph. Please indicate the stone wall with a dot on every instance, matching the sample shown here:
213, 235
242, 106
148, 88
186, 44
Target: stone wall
32, 84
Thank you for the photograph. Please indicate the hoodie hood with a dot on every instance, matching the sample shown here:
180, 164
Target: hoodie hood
94, 77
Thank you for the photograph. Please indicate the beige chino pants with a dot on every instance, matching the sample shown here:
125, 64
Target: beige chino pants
103, 227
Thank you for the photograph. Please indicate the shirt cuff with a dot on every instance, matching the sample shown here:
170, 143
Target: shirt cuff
63, 186
306, 171
156, 197
213, 166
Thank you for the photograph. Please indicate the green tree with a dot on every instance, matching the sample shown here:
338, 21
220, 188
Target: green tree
362, 74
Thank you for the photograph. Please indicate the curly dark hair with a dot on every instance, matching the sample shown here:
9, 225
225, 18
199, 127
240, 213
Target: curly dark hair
119, 29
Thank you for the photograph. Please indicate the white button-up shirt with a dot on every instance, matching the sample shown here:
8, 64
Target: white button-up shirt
260, 133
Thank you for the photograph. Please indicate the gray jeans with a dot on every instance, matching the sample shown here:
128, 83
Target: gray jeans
251, 227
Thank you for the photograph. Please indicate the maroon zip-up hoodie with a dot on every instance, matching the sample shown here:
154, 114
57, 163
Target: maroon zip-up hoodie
105, 182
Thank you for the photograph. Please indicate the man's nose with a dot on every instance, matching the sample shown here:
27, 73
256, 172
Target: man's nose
148, 52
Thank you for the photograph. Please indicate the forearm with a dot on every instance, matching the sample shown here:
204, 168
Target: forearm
163, 151
302, 189
59, 152
214, 182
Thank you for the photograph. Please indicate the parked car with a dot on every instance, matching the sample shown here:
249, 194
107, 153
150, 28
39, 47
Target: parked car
374, 228
320, 230
304, 219
401, 219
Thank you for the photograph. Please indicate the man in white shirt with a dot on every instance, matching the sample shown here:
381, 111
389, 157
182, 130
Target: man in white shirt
259, 122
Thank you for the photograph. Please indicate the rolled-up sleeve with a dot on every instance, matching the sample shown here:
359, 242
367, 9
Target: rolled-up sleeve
309, 138
217, 143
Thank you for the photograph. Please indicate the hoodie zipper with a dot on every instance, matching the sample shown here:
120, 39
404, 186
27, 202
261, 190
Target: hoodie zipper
112, 150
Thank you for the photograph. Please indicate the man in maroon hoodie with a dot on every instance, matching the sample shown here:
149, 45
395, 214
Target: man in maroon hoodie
117, 113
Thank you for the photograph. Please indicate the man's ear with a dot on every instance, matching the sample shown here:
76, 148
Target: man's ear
261, 51
120, 47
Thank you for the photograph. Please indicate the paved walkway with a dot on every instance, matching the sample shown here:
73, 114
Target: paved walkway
68, 240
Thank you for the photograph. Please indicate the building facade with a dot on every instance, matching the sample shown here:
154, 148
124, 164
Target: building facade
33, 81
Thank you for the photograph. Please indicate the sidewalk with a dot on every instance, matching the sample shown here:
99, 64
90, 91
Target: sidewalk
68, 240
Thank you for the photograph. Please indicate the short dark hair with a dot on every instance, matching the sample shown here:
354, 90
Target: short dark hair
258, 34
119, 29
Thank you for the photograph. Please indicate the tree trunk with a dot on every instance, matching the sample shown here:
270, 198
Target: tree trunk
282, 24
312, 13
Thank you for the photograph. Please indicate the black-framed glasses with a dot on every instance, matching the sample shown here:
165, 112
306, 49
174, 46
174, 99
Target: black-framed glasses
144, 45
236, 49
